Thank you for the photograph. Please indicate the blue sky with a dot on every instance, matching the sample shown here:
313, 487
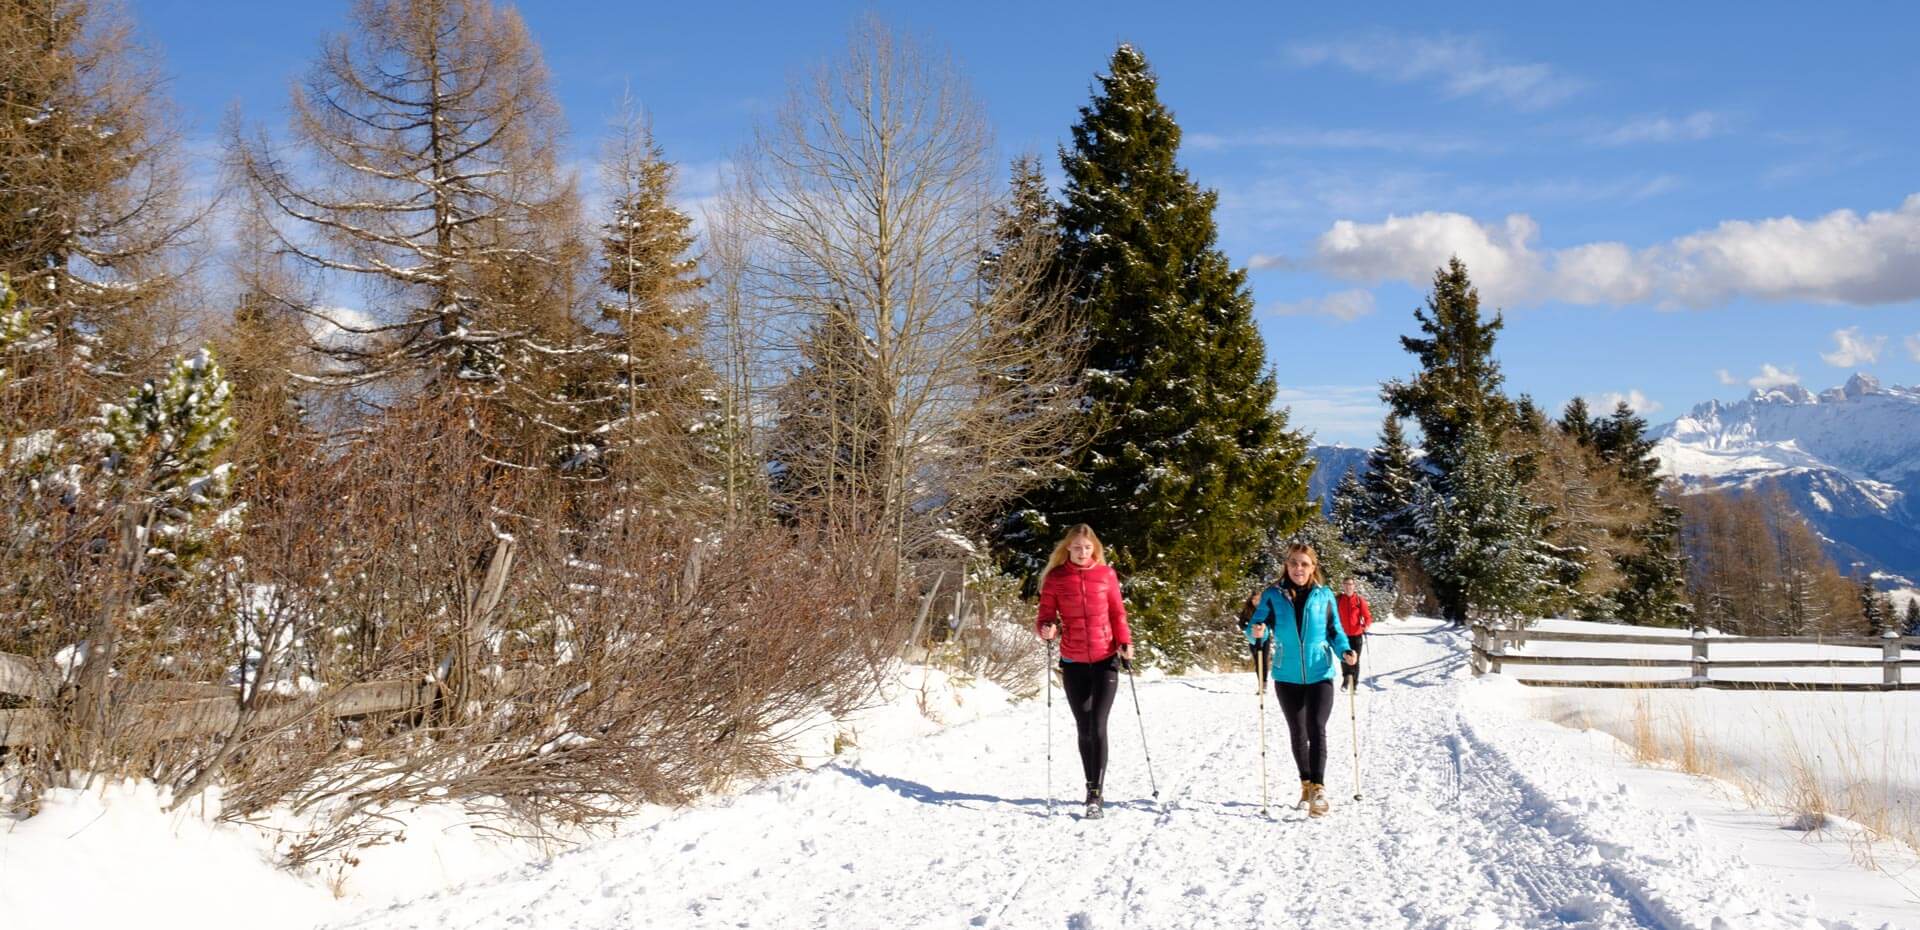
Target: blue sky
1669, 201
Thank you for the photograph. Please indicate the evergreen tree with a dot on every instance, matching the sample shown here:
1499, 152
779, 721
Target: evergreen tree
1349, 499
1186, 462
1386, 506
829, 449
1457, 389
1876, 610
1653, 578
1478, 536
162, 447
1577, 422
1913, 617
648, 392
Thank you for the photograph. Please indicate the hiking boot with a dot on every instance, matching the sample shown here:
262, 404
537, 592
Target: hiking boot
1316, 800
1094, 808
1306, 791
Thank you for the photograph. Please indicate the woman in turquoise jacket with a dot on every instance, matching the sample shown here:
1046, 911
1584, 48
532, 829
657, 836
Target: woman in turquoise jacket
1304, 620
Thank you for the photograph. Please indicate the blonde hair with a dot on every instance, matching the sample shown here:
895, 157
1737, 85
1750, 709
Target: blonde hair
1294, 549
1060, 548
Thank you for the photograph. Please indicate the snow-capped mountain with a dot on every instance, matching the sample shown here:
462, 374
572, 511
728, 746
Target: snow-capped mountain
1848, 457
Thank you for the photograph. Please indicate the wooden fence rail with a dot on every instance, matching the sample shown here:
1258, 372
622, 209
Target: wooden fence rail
175, 710
1494, 648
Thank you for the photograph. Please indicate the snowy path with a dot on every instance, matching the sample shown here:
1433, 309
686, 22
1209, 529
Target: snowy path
952, 831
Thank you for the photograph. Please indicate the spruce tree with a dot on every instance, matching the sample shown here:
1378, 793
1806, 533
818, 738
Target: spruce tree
1577, 422
1913, 617
1653, 589
1478, 536
1349, 501
1457, 388
1185, 462
1386, 506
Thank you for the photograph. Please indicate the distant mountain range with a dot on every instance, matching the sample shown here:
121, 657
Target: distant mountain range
1848, 458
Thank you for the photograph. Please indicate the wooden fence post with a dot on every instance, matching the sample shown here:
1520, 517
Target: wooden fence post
1496, 647
1890, 655
1699, 668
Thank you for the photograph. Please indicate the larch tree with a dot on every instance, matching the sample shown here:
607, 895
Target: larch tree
93, 223
424, 173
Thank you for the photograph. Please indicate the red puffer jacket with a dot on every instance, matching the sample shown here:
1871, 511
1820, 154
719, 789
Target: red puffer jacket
1355, 615
1086, 601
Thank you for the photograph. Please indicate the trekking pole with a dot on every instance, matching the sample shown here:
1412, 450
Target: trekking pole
1046, 680
1260, 662
1353, 714
1134, 689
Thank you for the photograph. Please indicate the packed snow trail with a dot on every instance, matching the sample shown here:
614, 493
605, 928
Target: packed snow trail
952, 831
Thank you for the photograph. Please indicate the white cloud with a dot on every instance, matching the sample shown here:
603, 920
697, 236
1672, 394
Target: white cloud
1851, 348
1771, 377
1913, 346
1693, 127
1840, 258
1726, 377
1461, 66
1334, 413
1339, 139
1636, 401
1342, 305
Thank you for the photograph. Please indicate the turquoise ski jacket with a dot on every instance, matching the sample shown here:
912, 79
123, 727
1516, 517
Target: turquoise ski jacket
1306, 652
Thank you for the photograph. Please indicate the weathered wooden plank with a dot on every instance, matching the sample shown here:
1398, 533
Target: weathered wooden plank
1797, 663
1722, 685
27, 678
25, 727
1595, 662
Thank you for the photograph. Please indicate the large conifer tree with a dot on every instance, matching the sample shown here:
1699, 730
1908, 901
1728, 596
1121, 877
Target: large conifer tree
1458, 386
1187, 463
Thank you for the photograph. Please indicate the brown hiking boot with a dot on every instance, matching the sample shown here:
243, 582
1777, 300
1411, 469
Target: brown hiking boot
1306, 792
1316, 800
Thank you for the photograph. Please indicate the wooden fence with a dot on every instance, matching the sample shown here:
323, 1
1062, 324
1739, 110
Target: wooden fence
1496, 648
32, 691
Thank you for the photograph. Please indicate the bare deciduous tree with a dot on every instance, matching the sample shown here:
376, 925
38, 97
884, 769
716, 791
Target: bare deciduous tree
870, 209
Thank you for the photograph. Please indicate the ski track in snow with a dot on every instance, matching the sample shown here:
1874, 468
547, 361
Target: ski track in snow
952, 831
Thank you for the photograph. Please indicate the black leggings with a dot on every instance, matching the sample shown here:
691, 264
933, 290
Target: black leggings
1090, 688
1307, 708
1352, 672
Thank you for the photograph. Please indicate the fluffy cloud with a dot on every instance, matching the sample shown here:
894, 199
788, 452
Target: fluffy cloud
1851, 348
1461, 67
1726, 377
1342, 305
1771, 377
1913, 346
1603, 404
1840, 258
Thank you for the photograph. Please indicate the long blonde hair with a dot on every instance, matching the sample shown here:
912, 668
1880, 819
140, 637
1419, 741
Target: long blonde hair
1294, 549
1075, 532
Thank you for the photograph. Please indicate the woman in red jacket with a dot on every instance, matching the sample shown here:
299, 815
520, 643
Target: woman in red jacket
1080, 603
1355, 618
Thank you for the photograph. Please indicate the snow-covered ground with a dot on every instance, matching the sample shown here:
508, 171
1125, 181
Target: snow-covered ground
1475, 814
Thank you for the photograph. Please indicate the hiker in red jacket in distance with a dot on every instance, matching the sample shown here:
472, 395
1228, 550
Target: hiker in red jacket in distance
1355, 618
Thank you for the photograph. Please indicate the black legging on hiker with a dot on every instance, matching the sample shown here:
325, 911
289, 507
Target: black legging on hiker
1090, 688
1307, 708
1355, 641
